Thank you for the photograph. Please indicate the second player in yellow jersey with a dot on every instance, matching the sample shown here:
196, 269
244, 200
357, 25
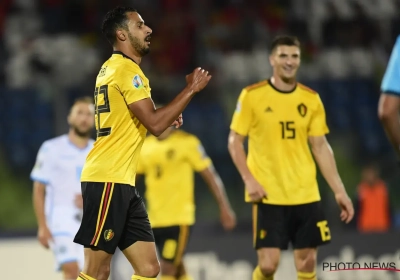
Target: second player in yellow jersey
168, 163
281, 118
278, 125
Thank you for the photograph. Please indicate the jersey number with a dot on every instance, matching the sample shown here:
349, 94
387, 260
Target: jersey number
324, 230
105, 108
288, 130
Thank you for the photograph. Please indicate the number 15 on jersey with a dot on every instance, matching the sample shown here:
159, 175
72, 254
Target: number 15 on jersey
288, 130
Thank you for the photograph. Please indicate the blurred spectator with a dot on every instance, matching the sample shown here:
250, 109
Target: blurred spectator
373, 213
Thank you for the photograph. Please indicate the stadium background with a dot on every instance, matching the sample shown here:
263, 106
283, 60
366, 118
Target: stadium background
51, 50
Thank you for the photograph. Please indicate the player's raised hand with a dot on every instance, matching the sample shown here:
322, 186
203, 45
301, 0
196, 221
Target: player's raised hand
255, 190
228, 218
178, 122
346, 207
44, 236
198, 79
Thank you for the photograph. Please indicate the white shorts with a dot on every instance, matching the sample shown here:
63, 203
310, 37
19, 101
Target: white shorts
66, 251
63, 225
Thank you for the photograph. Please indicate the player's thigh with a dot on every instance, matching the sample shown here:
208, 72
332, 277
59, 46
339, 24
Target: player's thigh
106, 206
312, 228
270, 226
66, 254
172, 242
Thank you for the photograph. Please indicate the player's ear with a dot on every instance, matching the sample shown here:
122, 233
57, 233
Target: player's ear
121, 35
271, 59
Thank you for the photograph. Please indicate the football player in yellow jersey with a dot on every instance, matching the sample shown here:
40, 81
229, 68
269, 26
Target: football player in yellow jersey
168, 163
114, 214
281, 117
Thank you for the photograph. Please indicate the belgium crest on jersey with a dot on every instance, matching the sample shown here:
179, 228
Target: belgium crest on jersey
302, 110
170, 154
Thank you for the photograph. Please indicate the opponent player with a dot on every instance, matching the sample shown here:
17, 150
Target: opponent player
57, 197
281, 117
114, 214
168, 163
389, 103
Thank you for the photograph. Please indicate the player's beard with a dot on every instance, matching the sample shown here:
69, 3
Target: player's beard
140, 47
82, 133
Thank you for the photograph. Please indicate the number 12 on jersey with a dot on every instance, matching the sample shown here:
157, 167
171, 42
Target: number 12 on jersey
101, 94
288, 130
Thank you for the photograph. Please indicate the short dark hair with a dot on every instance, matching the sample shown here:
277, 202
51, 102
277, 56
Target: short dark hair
284, 40
114, 19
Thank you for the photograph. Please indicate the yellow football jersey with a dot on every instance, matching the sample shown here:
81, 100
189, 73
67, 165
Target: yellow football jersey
169, 166
278, 125
120, 135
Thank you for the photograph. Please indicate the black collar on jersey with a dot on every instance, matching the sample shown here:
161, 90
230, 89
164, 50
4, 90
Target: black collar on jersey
124, 55
281, 91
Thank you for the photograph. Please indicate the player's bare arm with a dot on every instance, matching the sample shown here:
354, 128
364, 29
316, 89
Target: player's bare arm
158, 120
39, 192
78, 201
214, 182
326, 161
238, 154
388, 111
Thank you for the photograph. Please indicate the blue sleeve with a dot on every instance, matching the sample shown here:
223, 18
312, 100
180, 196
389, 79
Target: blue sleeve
391, 79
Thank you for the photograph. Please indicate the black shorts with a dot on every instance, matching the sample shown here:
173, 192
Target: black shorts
172, 242
114, 215
274, 226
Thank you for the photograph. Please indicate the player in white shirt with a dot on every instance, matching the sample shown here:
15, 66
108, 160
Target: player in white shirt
57, 198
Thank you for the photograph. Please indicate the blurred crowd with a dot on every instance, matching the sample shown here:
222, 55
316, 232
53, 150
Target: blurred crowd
52, 51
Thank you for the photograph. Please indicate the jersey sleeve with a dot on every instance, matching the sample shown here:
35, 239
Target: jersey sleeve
391, 79
318, 126
42, 169
242, 116
197, 155
134, 86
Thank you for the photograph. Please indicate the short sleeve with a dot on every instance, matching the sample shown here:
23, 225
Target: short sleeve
391, 79
242, 116
134, 87
318, 126
42, 169
198, 157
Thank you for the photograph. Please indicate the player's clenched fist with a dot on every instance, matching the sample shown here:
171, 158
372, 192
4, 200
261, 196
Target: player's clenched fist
198, 79
178, 122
